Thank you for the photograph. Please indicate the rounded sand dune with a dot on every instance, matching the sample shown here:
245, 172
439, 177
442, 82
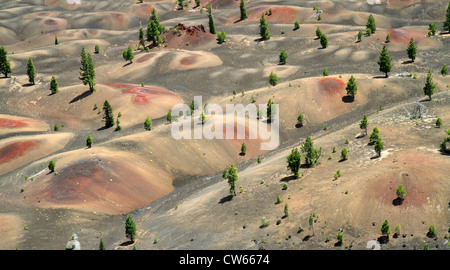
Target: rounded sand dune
194, 60
17, 124
99, 180
16, 152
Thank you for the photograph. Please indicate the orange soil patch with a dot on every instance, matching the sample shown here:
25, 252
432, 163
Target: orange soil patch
145, 57
15, 150
102, 181
219, 3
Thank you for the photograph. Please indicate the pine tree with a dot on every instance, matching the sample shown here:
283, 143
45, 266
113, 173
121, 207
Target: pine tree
294, 161
89, 141
169, 117
243, 11
411, 50
432, 27
56, 40
371, 24
96, 49
180, 4
221, 37
296, 25
401, 192
364, 124
344, 154
263, 28
148, 124
130, 228
54, 85
270, 109
141, 38
300, 120
232, 177
128, 54
351, 88
325, 72
379, 146
273, 79
388, 38
444, 70
446, 25
87, 73
152, 32
212, 28
318, 32
31, 72
243, 149
374, 135
323, 40
101, 246
360, 34
312, 154
108, 114
51, 165
283, 57
385, 61
5, 66
429, 87
385, 230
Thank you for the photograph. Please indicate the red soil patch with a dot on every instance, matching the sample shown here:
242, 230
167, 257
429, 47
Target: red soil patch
142, 10
15, 150
189, 60
51, 2
51, 22
144, 94
145, 57
9, 123
403, 36
332, 87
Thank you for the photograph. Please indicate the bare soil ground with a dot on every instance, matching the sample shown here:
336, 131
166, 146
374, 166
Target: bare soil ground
174, 189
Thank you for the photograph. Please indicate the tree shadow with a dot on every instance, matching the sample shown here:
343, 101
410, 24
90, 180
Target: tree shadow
379, 77
397, 201
348, 99
263, 226
260, 39
375, 157
226, 199
338, 244
361, 136
240, 20
27, 84
103, 128
287, 178
342, 160
127, 243
81, 96
242, 154
298, 125
306, 238
407, 62
127, 64
384, 239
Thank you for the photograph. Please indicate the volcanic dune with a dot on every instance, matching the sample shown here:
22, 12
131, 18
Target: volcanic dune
17, 124
18, 151
99, 180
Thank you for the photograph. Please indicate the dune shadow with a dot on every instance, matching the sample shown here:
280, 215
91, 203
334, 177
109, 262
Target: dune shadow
81, 96
226, 199
287, 178
348, 99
